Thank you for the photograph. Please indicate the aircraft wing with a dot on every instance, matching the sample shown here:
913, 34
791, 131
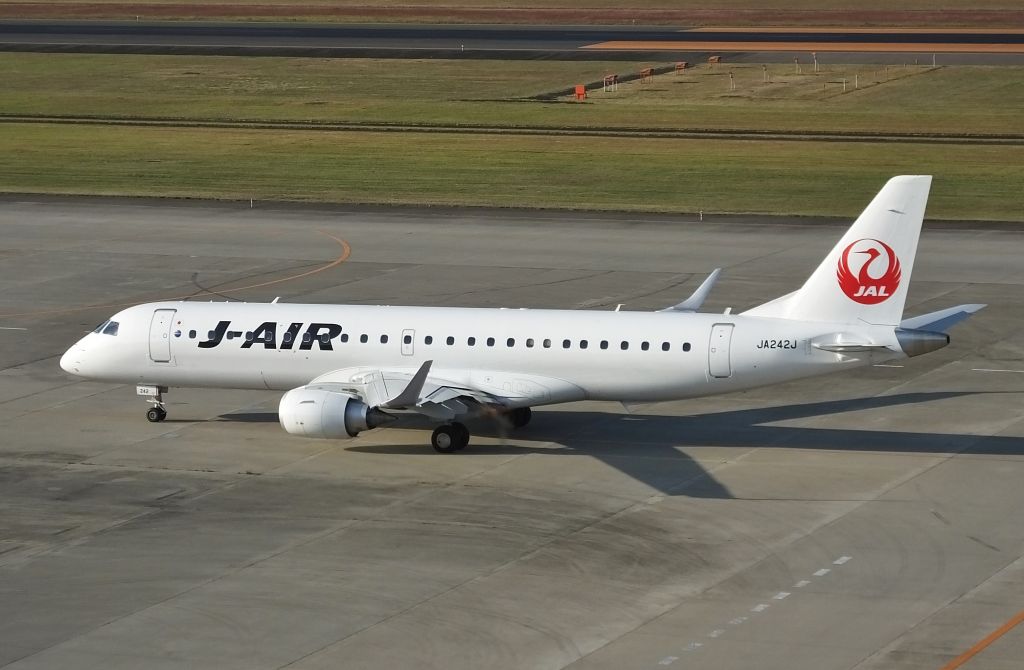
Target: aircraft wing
446, 394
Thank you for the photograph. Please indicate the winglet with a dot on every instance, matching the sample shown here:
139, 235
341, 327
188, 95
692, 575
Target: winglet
411, 394
693, 303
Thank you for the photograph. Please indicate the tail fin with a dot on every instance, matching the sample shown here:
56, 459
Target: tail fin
866, 276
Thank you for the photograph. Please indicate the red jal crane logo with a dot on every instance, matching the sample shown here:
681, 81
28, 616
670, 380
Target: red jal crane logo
876, 278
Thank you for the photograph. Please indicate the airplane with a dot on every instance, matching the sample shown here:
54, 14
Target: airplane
346, 369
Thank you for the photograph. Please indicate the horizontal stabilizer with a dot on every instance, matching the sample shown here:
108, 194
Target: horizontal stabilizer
693, 303
942, 320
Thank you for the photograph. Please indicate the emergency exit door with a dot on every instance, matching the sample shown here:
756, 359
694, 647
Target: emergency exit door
718, 350
160, 335
408, 341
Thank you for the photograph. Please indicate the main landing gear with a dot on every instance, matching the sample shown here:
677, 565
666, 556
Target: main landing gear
452, 437
449, 438
154, 394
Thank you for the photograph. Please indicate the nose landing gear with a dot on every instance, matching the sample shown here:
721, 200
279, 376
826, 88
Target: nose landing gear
154, 394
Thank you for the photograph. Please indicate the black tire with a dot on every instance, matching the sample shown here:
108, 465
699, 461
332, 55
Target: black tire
445, 439
520, 416
155, 415
462, 433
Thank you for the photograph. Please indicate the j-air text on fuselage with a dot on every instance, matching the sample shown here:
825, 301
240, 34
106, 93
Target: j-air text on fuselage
351, 368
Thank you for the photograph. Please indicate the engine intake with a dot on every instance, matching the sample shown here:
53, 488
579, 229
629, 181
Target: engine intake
317, 412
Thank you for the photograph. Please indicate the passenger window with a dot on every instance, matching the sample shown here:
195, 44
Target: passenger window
645, 346
191, 334
450, 341
364, 338
288, 337
471, 341
111, 328
624, 345
407, 339
511, 342
306, 337
547, 344
248, 336
383, 339
429, 339
665, 346
529, 343
325, 337
566, 344
686, 346
583, 344
490, 341
604, 344
212, 334
344, 337
231, 336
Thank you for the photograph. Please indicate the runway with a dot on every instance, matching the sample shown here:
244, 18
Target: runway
509, 42
858, 521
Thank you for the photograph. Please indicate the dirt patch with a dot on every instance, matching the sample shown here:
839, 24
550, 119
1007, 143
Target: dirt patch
456, 14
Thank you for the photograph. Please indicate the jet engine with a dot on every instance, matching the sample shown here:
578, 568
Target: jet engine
318, 412
917, 342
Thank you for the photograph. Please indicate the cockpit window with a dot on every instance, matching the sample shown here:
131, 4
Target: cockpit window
99, 328
111, 328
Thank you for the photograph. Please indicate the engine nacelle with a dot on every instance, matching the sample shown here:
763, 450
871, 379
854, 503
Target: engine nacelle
315, 412
917, 342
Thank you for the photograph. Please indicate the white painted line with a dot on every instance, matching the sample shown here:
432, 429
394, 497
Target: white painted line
737, 621
668, 660
11, 328
994, 370
822, 572
802, 583
883, 365
781, 595
718, 632
842, 559
760, 608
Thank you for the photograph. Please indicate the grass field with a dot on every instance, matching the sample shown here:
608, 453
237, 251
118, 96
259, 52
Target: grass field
639, 174
956, 100
683, 175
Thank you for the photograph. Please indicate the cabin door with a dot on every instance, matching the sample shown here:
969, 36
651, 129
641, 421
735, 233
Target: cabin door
160, 335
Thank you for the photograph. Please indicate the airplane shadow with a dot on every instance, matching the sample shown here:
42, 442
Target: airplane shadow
651, 448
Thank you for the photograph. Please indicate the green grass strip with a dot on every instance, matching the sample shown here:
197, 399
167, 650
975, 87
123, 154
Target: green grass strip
675, 175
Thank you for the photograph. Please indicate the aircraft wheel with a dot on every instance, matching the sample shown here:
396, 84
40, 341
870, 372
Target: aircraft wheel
520, 416
156, 414
462, 434
445, 439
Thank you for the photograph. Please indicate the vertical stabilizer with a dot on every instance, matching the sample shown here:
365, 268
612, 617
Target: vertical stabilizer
866, 276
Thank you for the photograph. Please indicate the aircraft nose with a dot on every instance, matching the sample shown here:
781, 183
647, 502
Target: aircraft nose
69, 362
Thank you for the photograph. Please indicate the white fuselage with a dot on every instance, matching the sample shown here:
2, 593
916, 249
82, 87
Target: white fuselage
623, 356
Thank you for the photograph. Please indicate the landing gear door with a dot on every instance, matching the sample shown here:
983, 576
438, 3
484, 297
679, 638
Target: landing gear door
160, 335
718, 350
